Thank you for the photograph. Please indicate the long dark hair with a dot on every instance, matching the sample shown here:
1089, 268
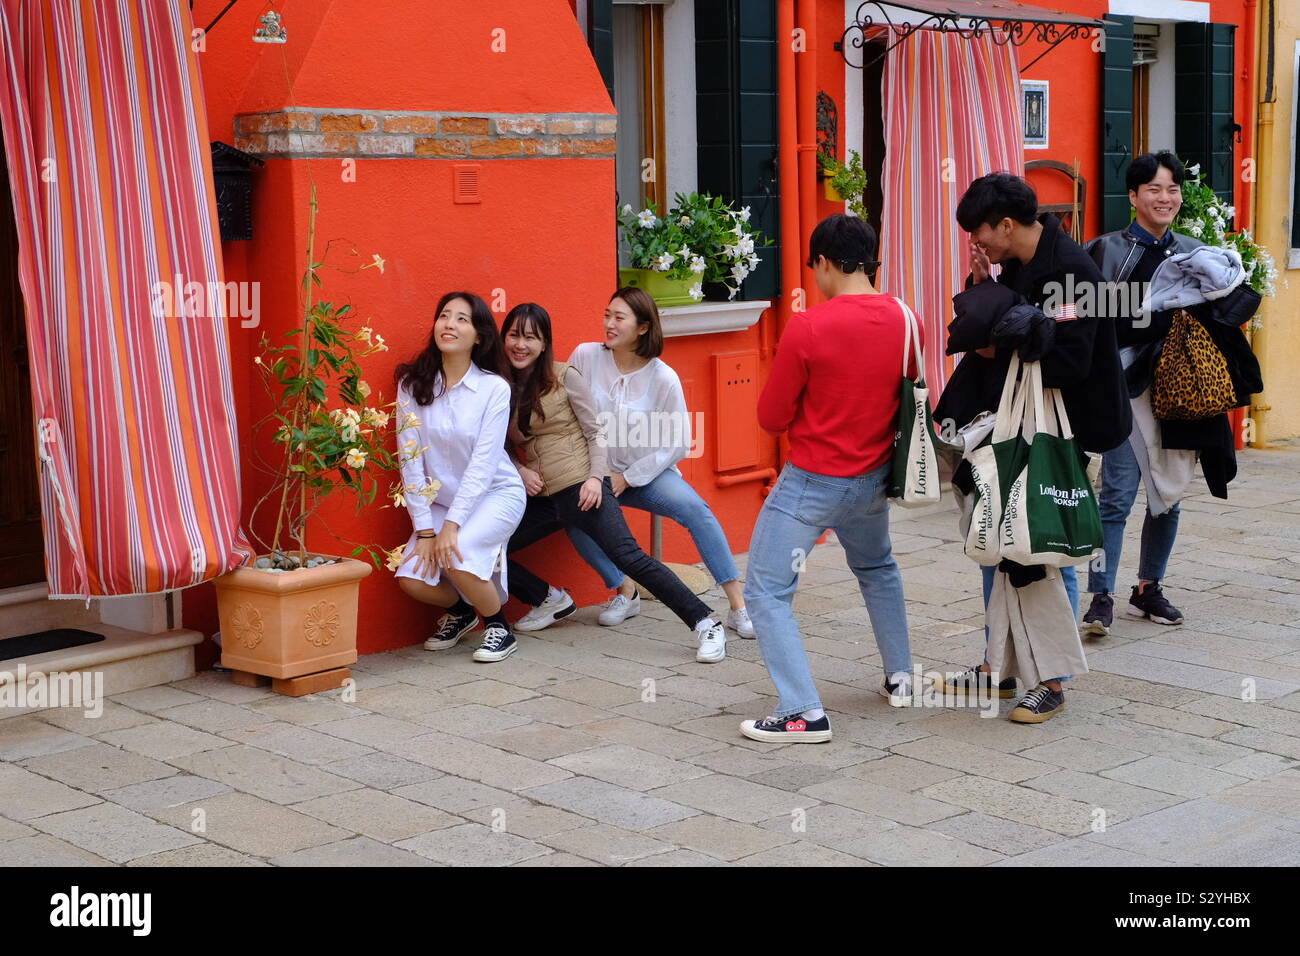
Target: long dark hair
423, 376
539, 378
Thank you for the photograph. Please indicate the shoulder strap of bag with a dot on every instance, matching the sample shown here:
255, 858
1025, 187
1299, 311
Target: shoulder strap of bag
1011, 406
911, 341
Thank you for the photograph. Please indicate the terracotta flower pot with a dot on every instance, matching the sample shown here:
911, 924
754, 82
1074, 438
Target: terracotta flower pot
290, 623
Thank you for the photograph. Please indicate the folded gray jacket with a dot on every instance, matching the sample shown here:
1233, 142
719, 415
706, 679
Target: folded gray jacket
1190, 278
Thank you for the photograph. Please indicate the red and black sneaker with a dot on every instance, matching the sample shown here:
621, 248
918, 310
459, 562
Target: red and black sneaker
788, 730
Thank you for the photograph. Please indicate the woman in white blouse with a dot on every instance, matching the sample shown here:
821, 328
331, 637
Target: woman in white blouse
463, 493
647, 431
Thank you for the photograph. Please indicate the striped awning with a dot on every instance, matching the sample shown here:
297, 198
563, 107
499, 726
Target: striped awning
107, 149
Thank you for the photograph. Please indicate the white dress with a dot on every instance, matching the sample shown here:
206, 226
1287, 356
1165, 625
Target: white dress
645, 425
462, 433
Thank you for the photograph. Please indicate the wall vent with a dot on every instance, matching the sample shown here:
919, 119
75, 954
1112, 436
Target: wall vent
464, 183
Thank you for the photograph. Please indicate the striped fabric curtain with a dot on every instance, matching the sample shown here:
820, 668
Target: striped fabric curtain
106, 143
952, 114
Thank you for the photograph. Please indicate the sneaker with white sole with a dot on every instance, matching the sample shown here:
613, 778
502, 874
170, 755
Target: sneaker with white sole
794, 729
713, 644
897, 691
451, 629
739, 622
619, 609
547, 613
498, 644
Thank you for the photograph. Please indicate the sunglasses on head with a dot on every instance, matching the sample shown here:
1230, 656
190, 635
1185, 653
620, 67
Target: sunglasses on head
847, 266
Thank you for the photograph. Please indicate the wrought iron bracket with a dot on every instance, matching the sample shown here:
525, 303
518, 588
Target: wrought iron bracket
873, 21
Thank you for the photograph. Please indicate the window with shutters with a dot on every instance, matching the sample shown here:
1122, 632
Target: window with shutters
694, 82
1204, 129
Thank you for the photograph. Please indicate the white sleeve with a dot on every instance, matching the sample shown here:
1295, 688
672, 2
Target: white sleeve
412, 466
581, 358
489, 449
667, 397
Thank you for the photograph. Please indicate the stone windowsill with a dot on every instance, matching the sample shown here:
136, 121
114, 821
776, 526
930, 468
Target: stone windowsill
708, 318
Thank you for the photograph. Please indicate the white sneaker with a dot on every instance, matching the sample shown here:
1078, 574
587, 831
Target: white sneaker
619, 609
546, 613
713, 644
897, 691
739, 622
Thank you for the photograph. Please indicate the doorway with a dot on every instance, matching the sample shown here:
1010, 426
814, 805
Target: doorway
873, 132
22, 548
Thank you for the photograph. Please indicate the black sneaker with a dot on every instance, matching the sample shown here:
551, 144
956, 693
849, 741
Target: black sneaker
1040, 704
1152, 603
1097, 619
498, 644
450, 630
978, 683
788, 730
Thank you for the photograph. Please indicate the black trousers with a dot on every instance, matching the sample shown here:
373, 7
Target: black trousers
547, 514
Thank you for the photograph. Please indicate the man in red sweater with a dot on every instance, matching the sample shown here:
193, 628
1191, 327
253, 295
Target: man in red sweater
834, 389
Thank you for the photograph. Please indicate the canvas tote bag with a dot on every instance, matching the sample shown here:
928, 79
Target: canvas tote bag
914, 480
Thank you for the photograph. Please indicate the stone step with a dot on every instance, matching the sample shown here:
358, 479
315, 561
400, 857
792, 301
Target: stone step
125, 660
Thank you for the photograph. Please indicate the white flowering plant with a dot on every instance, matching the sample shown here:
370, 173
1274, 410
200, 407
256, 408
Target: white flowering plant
702, 237
1205, 216
330, 429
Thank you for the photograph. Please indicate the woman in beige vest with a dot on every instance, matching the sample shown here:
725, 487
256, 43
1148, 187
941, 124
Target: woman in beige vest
563, 465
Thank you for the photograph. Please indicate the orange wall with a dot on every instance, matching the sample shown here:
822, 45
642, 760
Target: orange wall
544, 231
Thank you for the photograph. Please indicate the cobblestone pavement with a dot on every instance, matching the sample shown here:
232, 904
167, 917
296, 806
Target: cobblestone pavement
556, 757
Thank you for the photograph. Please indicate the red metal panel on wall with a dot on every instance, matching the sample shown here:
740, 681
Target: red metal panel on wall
688, 465
735, 432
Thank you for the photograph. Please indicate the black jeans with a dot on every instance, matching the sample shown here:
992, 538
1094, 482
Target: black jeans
547, 514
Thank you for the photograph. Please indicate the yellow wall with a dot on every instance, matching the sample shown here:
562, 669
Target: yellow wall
1277, 343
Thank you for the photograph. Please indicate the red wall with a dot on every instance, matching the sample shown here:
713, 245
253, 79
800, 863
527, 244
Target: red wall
544, 231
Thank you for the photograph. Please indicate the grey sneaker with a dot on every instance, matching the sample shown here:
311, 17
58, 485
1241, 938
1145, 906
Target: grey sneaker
619, 609
713, 644
547, 613
739, 622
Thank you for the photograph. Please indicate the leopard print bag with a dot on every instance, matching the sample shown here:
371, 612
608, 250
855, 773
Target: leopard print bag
1191, 377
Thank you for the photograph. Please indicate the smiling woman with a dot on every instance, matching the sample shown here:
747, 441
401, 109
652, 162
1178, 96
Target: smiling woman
453, 406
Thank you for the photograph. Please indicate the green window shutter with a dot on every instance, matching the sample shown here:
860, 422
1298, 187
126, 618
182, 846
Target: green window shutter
1116, 122
600, 37
1203, 88
736, 127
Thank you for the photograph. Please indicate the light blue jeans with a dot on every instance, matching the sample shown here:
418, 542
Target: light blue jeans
801, 506
670, 495
1120, 478
1068, 577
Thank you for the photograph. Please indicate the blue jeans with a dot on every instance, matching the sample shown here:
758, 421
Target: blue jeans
801, 506
670, 495
1068, 577
1120, 478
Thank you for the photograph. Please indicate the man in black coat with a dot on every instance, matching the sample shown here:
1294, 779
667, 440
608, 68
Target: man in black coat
1062, 284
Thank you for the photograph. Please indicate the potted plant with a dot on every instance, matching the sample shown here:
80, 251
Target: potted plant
702, 240
292, 611
1206, 217
845, 182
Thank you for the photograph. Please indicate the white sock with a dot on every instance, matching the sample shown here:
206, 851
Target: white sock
705, 624
815, 714
554, 594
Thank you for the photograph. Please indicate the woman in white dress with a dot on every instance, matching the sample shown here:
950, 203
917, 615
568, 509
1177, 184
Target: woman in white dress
464, 495
648, 430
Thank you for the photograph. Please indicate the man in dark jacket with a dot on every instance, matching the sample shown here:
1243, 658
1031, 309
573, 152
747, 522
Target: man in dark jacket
1054, 275
1132, 255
